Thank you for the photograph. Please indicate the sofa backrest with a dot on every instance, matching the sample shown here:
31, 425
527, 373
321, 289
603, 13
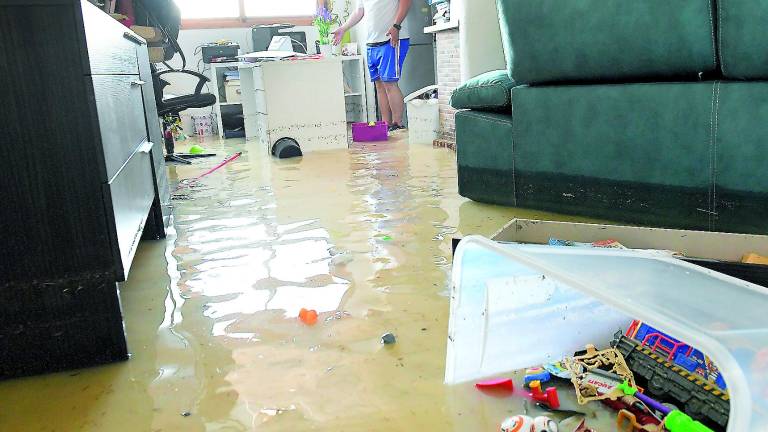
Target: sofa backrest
742, 38
608, 40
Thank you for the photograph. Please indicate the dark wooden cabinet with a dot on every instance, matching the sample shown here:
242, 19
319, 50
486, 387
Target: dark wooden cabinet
83, 179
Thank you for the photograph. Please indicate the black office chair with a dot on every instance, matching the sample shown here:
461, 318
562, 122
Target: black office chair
175, 105
165, 16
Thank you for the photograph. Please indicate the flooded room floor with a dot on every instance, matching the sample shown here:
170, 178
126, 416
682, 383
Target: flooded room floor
363, 236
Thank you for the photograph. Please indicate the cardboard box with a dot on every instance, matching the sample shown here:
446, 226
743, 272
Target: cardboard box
692, 244
156, 54
150, 34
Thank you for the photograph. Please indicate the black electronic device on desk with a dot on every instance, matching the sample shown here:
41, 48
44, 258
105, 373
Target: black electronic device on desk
217, 53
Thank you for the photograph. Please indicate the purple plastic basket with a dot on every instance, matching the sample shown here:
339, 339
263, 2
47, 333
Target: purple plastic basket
363, 132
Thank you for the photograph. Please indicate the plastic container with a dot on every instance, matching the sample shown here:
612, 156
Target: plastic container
515, 306
232, 91
202, 125
365, 132
423, 116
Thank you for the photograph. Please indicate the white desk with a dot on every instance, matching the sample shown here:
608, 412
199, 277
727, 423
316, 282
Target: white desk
299, 99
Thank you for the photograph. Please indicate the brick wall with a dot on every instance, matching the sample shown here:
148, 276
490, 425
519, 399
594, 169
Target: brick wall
448, 78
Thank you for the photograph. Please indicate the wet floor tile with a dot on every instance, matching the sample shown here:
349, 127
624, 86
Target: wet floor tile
362, 236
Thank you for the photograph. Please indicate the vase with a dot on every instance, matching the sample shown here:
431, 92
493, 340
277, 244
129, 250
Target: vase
326, 50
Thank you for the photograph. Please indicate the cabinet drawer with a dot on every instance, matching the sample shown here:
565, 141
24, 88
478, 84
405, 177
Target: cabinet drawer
111, 46
120, 105
127, 199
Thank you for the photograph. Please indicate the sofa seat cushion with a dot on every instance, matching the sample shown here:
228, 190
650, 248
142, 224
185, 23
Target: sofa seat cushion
678, 155
488, 92
742, 38
598, 40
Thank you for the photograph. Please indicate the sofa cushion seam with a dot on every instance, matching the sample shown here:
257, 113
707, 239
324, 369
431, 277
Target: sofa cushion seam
712, 12
474, 89
488, 118
721, 34
714, 155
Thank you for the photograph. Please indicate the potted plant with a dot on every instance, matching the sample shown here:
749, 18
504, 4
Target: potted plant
323, 21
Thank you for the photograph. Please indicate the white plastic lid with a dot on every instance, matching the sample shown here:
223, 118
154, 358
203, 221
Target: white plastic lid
515, 306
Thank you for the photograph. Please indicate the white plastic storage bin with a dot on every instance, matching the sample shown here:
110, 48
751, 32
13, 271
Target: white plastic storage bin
423, 117
515, 306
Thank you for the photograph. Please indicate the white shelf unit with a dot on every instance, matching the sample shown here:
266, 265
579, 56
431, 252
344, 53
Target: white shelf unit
217, 88
353, 69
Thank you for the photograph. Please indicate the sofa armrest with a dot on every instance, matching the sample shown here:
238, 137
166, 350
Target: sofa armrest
486, 92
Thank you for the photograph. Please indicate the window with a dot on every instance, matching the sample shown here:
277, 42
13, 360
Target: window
278, 8
244, 13
203, 9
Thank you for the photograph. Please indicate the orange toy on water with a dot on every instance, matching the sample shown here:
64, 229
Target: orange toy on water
308, 317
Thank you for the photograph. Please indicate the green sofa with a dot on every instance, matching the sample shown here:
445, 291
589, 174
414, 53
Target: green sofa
636, 112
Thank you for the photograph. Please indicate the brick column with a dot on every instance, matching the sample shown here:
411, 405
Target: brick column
448, 78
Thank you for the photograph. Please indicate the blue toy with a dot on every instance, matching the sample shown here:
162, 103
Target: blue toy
536, 374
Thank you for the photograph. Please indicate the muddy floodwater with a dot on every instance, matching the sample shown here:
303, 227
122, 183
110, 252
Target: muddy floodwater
363, 236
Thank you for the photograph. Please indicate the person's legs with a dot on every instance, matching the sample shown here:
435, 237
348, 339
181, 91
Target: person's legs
395, 104
383, 97
390, 70
375, 61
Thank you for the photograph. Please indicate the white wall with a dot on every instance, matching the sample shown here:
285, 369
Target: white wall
480, 36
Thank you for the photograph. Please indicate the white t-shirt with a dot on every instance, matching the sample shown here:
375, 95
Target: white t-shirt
379, 17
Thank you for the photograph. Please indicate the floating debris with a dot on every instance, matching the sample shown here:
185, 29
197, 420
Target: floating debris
338, 315
308, 316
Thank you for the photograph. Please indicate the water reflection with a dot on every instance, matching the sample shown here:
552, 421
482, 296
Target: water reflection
362, 236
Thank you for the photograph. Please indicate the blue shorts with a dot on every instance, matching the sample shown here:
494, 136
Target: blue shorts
385, 62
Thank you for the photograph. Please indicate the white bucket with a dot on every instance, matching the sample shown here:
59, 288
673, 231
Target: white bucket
423, 117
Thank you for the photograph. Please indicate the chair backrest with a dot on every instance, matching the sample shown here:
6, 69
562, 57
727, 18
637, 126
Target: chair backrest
164, 15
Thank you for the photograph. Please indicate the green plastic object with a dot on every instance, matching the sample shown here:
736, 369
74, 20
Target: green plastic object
196, 150
627, 389
675, 421
678, 421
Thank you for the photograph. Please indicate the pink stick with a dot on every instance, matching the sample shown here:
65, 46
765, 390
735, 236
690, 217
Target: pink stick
224, 162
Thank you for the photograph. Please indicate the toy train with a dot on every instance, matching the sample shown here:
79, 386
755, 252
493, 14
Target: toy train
677, 352
673, 381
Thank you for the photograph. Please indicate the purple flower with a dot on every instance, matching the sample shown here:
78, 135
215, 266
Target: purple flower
324, 13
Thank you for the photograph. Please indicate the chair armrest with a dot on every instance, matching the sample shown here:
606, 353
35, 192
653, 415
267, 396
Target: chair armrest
202, 79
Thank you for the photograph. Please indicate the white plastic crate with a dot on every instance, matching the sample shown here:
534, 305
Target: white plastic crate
423, 117
515, 306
